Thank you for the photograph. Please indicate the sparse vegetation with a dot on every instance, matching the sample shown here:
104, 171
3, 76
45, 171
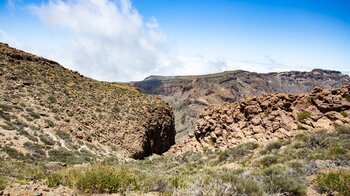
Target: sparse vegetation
342, 129
334, 181
273, 146
52, 99
344, 114
347, 97
116, 109
303, 115
46, 139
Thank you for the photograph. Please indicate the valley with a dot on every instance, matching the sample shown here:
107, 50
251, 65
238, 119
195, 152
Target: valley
230, 133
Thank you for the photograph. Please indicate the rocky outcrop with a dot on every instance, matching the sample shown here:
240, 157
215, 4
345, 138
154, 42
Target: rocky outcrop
189, 95
274, 116
265, 118
46, 109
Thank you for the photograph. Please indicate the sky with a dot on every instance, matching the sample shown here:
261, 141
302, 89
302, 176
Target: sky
128, 40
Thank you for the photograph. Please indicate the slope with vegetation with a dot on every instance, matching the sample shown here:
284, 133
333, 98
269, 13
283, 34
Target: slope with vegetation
51, 113
307, 164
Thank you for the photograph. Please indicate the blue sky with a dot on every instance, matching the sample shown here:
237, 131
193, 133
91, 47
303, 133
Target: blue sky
124, 40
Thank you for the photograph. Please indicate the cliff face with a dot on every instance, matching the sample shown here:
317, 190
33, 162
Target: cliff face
189, 95
271, 117
45, 108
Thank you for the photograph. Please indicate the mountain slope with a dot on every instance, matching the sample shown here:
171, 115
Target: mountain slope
47, 110
189, 95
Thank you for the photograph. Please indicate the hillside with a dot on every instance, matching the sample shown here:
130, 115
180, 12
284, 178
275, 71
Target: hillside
189, 95
278, 144
51, 113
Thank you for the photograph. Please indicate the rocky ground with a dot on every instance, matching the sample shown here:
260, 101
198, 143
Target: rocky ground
189, 95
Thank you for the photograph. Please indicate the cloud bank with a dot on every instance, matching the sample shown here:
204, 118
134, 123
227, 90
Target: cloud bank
110, 39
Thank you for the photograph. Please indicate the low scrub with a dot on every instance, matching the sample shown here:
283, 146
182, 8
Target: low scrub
334, 181
342, 129
303, 115
97, 179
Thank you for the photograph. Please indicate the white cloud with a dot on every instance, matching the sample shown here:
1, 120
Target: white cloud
110, 40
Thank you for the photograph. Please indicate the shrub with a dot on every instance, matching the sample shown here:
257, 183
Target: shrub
344, 114
63, 135
116, 109
13, 153
52, 99
277, 181
2, 184
47, 140
105, 179
237, 152
34, 115
303, 115
36, 150
347, 97
268, 160
55, 110
230, 183
65, 156
337, 180
342, 129
53, 180
49, 123
273, 146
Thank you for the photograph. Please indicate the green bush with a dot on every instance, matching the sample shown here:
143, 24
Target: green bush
277, 181
53, 180
231, 183
237, 152
36, 150
49, 123
273, 146
303, 115
347, 97
268, 160
344, 114
34, 115
342, 129
13, 153
2, 184
52, 99
47, 140
115, 109
337, 180
63, 135
105, 179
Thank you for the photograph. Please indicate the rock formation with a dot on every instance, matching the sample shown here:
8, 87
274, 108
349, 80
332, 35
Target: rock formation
46, 108
189, 95
271, 117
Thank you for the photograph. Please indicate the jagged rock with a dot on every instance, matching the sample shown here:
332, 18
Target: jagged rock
320, 109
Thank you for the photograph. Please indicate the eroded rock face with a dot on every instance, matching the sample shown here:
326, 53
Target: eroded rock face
189, 95
275, 116
41, 101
